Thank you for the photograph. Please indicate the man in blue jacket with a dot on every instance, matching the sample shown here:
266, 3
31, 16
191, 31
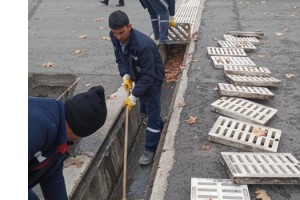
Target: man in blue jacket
139, 61
51, 124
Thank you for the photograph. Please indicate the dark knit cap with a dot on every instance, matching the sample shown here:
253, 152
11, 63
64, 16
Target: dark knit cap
86, 112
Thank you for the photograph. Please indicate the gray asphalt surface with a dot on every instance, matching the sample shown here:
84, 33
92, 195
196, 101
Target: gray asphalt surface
281, 57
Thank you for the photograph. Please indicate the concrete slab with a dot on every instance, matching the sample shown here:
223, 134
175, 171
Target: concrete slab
216, 51
253, 80
232, 38
247, 71
221, 61
247, 46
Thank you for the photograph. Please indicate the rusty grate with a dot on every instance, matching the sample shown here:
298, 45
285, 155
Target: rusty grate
243, 135
262, 168
243, 109
247, 71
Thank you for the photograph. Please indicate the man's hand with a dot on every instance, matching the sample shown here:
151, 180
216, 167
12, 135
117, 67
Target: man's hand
127, 83
172, 22
130, 102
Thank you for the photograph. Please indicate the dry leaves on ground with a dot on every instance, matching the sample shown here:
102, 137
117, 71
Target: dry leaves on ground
83, 36
73, 161
48, 64
105, 38
262, 195
259, 132
77, 51
205, 147
182, 104
191, 120
279, 33
289, 75
101, 27
112, 96
261, 56
88, 84
67, 8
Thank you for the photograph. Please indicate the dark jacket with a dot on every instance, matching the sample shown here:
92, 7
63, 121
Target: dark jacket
47, 136
142, 61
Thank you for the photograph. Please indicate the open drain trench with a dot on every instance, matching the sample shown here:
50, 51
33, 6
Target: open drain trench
138, 177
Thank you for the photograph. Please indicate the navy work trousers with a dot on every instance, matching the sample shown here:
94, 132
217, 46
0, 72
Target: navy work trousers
155, 123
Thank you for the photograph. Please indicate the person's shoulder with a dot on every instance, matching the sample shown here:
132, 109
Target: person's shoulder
142, 40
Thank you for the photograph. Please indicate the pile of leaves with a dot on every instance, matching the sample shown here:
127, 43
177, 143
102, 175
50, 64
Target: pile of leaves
173, 63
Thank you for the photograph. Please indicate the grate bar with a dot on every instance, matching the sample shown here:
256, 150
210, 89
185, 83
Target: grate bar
216, 51
240, 135
253, 80
243, 109
245, 91
205, 188
221, 61
247, 71
232, 38
261, 168
247, 46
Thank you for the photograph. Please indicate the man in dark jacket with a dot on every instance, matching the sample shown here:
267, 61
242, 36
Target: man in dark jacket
139, 61
51, 124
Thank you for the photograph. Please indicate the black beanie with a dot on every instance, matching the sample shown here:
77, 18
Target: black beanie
86, 112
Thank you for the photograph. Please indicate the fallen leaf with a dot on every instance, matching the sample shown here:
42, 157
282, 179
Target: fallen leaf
191, 120
262, 195
88, 84
279, 34
192, 61
263, 2
183, 66
105, 38
261, 56
216, 88
227, 61
83, 36
265, 13
194, 34
264, 41
259, 132
67, 8
101, 27
99, 19
77, 51
48, 64
216, 39
205, 147
182, 104
289, 75
73, 161
112, 97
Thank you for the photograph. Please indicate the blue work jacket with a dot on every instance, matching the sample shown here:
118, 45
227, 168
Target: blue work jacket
47, 143
142, 61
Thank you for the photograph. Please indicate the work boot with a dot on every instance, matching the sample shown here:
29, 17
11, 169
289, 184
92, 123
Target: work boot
146, 158
104, 2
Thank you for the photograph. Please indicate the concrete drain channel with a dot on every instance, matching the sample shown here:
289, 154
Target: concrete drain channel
139, 177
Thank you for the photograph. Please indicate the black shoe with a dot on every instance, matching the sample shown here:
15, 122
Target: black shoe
104, 2
120, 4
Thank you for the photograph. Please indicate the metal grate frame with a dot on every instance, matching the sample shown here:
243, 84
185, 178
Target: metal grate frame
245, 91
247, 46
221, 61
240, 135
247, 71
232, 38
243, 109
217, 51
253, 80
261, 168
221, 189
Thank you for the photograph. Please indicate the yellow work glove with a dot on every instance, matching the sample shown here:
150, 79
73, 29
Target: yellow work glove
127, 83
130, 102
172, 22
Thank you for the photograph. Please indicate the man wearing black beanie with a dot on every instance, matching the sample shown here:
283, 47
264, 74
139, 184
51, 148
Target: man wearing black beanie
51, 124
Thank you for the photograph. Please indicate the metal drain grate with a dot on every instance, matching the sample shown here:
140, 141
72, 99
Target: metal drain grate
245, 91
247, 71
181, 33
262, 168
187, 12
253, 80
217, 189
232, 38
247, 46
216, 51
221, 61
243, 135
243, 109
